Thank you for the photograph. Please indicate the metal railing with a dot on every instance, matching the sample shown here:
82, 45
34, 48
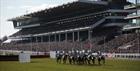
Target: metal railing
131, 6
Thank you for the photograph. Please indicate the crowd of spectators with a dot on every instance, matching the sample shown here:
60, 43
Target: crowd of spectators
122, 43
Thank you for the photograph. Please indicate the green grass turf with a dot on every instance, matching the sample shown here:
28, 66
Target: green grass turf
46, 64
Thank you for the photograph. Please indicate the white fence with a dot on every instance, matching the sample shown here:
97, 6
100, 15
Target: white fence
131, 56
16, 52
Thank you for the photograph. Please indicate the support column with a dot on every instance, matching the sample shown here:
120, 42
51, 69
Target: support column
78, 39
49, 38
89, 38
49, 42
36, 39
55, 37
89, 35
59, 37
37, 42
104, 44
41, 38
73, 41
78, 36
66, 36
66, 41
73, 36
55, 48
31, 43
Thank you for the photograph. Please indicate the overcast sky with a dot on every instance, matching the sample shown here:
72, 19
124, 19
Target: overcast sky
14, 8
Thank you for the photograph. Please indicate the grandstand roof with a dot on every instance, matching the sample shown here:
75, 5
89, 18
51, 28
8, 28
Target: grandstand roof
65, 8
65, 11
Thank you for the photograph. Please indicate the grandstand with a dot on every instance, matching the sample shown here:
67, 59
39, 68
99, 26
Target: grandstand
89, 25
134, 25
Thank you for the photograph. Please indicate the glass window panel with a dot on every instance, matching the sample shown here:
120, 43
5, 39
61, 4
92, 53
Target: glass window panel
138, 12
138, 21
132, 1
134, 21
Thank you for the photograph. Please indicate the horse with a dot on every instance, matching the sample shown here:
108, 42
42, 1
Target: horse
101, 58
72, 59
78, 59
91, 58
85, 59
64, 57
81, 58
58, 57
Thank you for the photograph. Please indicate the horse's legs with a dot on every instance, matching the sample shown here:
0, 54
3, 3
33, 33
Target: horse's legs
64, 61
99, 60
88, 61
60, 60
70, 60
103, 61
57, 60
93, 61
84, 61
74, 60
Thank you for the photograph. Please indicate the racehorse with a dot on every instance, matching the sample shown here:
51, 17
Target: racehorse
93, 59
72, 59
64, 57
59, 57
101, 58
80, 58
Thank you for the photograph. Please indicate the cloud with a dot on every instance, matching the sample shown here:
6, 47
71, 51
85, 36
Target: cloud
10, 7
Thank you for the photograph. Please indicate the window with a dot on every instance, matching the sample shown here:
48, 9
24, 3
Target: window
139, 1
138, 21
132, 1
18, 23
138, 11
134, 21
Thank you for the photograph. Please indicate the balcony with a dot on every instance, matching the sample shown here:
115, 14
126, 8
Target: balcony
133, 16
131, 26
132, 6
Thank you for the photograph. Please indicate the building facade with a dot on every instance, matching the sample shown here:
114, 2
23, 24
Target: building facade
94, 22
134, 16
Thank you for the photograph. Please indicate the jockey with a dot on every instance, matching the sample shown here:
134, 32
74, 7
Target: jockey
61, 53
57, 53
99, 53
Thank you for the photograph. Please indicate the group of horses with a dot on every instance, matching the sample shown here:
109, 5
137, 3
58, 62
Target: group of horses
80, 58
